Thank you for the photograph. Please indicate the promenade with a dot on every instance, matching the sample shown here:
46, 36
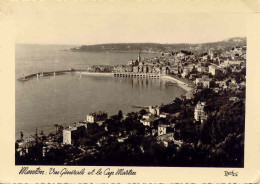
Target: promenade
186, 85
94, 73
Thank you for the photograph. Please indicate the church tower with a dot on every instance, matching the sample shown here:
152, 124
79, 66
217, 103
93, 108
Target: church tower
139, 57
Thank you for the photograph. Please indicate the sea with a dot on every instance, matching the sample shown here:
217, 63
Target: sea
66, 99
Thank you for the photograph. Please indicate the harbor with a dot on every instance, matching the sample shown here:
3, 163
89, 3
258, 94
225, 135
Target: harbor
86, 72
45, 74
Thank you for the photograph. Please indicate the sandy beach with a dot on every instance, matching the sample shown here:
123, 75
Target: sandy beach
179, 83
164, 77
94, 73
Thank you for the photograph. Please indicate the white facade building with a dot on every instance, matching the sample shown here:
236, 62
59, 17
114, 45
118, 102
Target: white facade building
199, 113
90, 119
155, 110
70, 134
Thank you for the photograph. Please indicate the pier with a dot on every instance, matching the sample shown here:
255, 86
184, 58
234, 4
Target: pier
132, 74
45, 74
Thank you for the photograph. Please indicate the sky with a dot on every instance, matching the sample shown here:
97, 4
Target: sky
96, 23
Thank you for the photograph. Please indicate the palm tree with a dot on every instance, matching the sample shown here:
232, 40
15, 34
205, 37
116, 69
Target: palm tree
42, 133
120, 115
36, 132
21, 133
56, 125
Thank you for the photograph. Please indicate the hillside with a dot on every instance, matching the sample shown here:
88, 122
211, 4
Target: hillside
157, 47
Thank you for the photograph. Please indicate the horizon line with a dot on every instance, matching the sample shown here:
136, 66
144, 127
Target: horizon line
241, 37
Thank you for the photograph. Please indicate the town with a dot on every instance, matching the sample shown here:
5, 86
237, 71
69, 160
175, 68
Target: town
204, 127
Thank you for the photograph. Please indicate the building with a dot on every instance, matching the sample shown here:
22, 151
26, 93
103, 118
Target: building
234, 99
147, 122
150, 69
199, 113
165, 115
147, 116
179, 54
202, 69
165, 70
203, 82
185, 72
139, 58
128, 68
204, 57
155, 110
210, 54
214, 70
135, 69
190, 95
71, 134
140, 70
229, 62
94, 117
165, 129
145, 69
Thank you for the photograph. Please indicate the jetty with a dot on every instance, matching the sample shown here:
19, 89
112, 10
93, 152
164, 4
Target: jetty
45, 74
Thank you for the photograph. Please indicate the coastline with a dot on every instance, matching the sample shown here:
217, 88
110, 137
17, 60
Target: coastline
94, 73
180, 83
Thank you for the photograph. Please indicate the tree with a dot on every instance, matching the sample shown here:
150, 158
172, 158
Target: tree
142, 112
21, 133
36, 133
60, 128
56, 125
120, 115
41, 133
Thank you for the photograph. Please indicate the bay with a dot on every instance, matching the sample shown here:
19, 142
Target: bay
67, 99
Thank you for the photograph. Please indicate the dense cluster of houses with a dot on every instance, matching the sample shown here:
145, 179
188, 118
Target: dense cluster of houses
150, 119
200, 69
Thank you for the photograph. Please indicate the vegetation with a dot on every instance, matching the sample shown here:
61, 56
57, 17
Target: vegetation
217, 142
156, 47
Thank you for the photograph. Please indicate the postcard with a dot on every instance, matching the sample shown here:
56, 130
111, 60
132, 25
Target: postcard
129, 91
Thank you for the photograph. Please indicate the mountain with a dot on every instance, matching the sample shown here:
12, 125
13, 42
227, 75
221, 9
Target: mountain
157, 47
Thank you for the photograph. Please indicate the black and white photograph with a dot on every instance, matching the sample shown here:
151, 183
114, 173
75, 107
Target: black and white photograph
145, 89
107, 93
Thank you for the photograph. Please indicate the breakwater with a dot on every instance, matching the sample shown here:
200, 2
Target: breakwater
45, 74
